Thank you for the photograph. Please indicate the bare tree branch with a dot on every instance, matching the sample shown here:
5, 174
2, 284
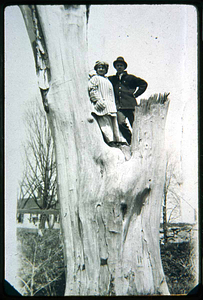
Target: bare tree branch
39, 181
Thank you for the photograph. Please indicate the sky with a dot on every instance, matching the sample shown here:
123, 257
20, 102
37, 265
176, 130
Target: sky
159, 43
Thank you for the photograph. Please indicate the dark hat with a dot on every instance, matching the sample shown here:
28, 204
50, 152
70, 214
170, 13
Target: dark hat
120, 59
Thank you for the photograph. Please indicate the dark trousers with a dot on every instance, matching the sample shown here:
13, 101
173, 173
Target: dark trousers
123, 126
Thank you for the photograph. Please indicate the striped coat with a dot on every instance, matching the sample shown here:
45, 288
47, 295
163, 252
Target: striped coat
100, 88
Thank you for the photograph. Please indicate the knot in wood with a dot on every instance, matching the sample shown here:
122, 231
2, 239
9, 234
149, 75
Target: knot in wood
123, 208
90, 120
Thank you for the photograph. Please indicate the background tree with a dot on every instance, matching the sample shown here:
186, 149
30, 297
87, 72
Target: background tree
41, 271
110, 201
171, 195
39, 178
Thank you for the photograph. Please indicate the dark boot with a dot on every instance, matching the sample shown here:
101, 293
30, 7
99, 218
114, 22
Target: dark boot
112, 144
125, 132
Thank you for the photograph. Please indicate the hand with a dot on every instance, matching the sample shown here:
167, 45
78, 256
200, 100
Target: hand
99, 106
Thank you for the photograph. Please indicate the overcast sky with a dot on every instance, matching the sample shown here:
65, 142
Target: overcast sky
159, 43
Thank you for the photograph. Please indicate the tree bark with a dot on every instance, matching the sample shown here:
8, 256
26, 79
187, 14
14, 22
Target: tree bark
110, 201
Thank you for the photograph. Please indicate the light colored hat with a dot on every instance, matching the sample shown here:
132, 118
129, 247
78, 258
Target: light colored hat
101, 63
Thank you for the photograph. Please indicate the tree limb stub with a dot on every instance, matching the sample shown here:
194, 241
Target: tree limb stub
110, 206
39, 50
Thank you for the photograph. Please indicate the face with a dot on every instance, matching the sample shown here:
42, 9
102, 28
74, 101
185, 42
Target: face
120, 67
101, 70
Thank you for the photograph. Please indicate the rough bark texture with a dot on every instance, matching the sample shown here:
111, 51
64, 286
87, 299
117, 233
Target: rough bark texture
110, 198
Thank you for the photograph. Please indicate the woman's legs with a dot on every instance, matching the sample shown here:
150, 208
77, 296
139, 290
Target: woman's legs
110, 129
106, 126
117, 134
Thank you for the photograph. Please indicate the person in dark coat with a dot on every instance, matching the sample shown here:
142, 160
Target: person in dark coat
127, 88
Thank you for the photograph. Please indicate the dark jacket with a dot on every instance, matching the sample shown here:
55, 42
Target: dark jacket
125, 88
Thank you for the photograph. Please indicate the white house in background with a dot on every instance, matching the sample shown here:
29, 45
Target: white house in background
29, 215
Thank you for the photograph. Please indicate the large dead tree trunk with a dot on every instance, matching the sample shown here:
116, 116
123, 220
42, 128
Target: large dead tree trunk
110, 202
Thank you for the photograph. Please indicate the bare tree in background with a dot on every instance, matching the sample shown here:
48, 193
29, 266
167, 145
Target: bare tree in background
39, 178
171, 198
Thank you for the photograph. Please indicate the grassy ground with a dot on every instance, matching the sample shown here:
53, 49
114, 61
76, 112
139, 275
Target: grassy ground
179, 264
42, 265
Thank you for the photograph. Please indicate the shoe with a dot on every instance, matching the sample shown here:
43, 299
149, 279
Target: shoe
112, 144
122, 144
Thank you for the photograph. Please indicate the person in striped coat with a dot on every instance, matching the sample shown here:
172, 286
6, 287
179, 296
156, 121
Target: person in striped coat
104, 108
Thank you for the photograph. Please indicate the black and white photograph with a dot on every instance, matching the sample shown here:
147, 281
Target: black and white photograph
101, 149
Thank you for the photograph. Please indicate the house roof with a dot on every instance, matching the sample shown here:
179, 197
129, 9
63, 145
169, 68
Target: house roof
29, 203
